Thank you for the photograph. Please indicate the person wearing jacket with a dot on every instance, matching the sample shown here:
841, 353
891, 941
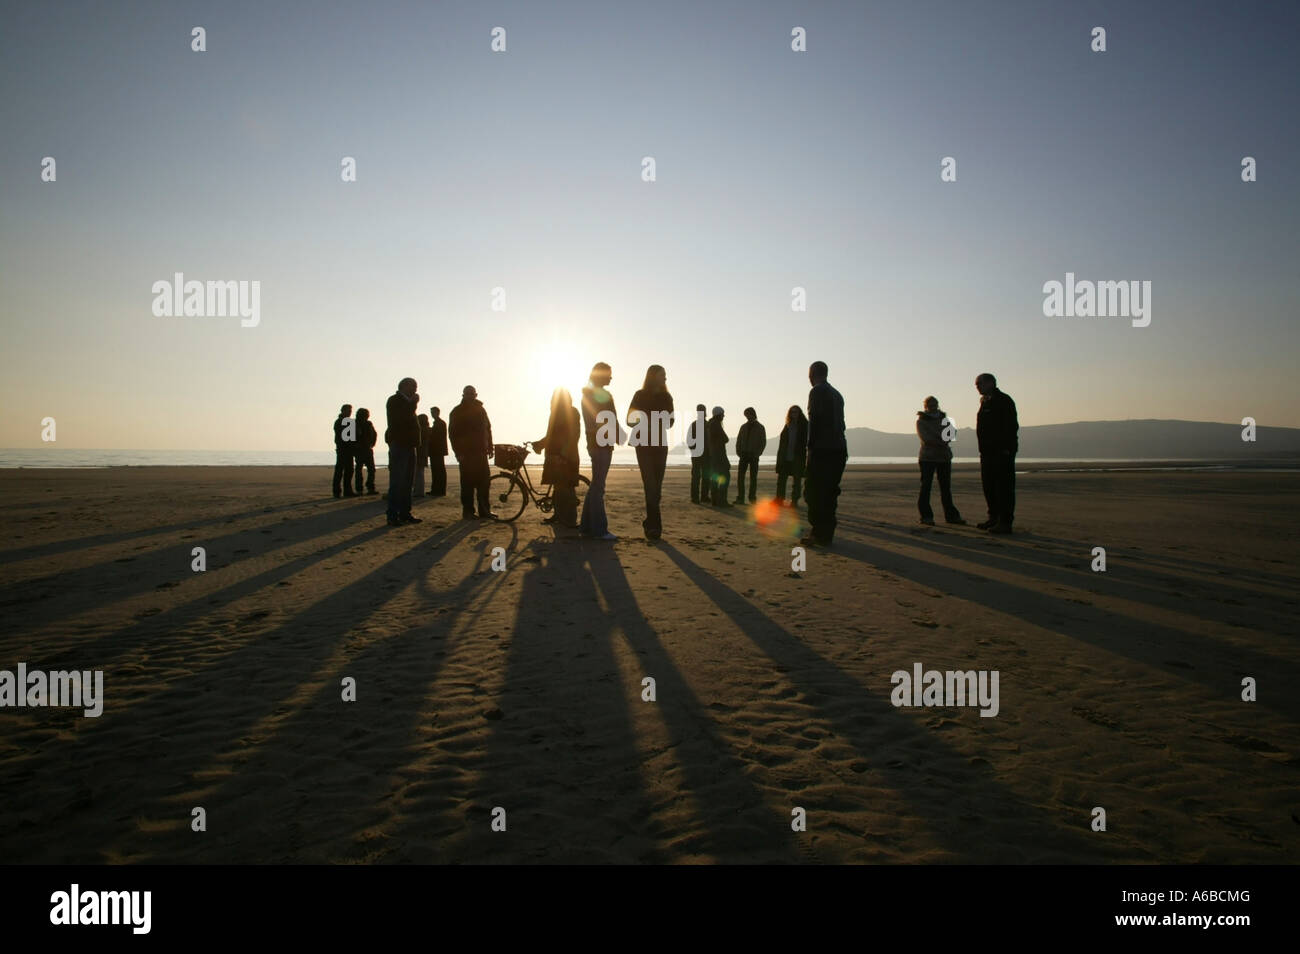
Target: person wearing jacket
935, 457
604, 432
470, 433
791, 454
560, 465
650, 415
751, 441
366, 439
421, 456
437, 455
698, 444
344, 452
827, 455
403, 437
719, 465
997, 429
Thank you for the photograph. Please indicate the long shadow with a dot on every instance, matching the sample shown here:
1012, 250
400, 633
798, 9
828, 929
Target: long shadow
1154, 645
68, 592
105, 539
51, 786
741, 825
998, 816
1128, 579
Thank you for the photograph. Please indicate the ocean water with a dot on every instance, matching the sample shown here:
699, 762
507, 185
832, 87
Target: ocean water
51, 457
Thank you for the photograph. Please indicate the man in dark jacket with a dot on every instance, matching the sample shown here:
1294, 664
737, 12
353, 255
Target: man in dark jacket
344, 452
697, 441
403, 436
827, 454
366, 438
751, 441
437, 453
998, 431
470, 433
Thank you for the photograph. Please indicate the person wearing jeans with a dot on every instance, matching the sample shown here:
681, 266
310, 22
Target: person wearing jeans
751, 441
827, 455
403, 436
604, 432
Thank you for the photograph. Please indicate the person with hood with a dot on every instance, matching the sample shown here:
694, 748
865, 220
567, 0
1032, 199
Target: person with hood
344, 452
791, 451
751, 441
650, 415
600, 419
997, 429
403, 436
437, 453
719, 465
560, 465
935, 458
470, 432
697, 443
366, 439
421, 456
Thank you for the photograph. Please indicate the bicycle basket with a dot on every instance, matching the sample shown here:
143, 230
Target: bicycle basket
509, 456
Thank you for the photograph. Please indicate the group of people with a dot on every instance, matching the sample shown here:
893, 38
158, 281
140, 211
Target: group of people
811, 452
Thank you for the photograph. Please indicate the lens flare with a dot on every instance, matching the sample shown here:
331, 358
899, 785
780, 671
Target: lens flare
775, 517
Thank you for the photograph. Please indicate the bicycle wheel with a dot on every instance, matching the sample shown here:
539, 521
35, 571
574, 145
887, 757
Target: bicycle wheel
507, 496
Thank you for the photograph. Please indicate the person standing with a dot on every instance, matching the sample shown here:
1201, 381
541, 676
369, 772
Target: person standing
719, 465
997, 430
344, 452
366, 439
403, 436
827, 454
560, 465
935, 457
791, 454
421, 456
697, 443
604, 432
437, 455
650, 415
470, 432
751, 441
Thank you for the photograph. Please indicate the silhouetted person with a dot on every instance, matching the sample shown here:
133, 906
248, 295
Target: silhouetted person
471, 441
560, 465
827, 454
698, 444
604, 431
403, 436
421, 455
719, 465
437, 455
935, 457
651, 417
366, 439
998, 432
344, 452
751, 441
792, 454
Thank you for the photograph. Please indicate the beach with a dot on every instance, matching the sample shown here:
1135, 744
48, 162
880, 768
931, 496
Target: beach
524, 689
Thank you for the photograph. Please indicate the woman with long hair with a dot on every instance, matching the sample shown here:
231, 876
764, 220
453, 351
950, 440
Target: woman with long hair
650, 415
599, 416
560, 466
791, 454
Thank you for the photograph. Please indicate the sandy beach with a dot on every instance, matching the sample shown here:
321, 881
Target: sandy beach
522, 689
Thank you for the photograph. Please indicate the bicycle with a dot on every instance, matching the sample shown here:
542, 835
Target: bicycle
509, 491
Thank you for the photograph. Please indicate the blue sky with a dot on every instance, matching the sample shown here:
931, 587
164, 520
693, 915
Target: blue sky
522, 169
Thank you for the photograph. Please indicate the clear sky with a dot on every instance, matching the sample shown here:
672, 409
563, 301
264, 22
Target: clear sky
522, 170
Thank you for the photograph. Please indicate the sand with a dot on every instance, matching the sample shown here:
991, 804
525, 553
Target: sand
522, 689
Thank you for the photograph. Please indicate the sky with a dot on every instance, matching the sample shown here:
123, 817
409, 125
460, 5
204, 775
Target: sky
522, 170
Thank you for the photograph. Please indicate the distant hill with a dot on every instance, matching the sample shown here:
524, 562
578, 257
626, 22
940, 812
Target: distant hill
1120, 440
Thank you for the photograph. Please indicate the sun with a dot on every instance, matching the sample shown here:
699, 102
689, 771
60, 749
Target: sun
556, 363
